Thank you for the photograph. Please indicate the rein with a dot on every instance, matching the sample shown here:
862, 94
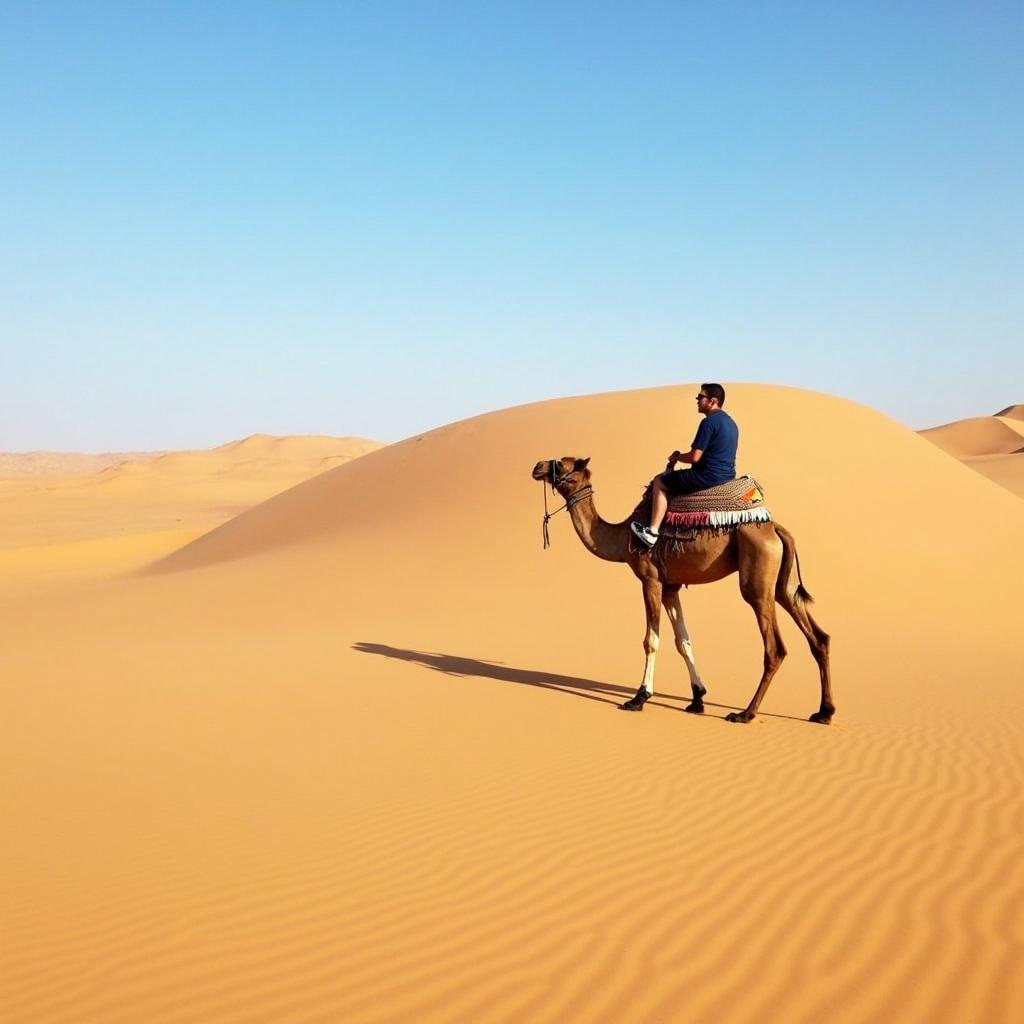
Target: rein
582, 493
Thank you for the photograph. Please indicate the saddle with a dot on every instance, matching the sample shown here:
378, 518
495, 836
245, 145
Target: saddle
718, 509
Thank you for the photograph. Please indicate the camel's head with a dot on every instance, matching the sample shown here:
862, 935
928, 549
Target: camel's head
567, 475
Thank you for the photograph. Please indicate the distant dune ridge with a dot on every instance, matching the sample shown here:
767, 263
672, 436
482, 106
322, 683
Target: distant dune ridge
267, 448
66, 499
991, 445
256, 455
21, 464
354, 754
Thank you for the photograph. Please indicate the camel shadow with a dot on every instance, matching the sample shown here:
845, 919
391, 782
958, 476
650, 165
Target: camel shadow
453, 665
574, 686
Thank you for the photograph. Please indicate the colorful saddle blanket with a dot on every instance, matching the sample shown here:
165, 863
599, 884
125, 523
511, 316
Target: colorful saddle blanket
718, 509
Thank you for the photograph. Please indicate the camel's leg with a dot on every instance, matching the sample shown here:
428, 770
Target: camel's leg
652, 607
762, 600
791, 595
818, 640
674, 607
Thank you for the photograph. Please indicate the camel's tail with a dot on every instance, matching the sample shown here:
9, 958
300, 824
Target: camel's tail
789, 559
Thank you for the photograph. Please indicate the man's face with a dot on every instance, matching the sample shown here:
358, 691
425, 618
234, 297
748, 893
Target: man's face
704, 402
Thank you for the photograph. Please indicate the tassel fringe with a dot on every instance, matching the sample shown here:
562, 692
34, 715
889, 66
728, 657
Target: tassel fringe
704, 520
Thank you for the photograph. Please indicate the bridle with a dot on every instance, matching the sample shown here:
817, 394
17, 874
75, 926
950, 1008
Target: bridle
554, 465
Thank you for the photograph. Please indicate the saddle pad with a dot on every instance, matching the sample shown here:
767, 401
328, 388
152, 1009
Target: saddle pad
742, 493
720, 508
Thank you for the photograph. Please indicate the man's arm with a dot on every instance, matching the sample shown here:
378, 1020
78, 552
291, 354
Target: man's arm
705, 433
692, 456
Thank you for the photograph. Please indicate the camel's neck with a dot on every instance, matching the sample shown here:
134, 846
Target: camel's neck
609, 541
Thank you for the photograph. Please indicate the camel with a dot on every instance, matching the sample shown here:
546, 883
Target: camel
764, 555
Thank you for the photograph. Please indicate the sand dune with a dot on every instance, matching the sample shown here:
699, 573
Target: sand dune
354, 755
1014, 424
981, 435
991, 445
1005, 470
290, 458
15, 465
290, 455
171, 497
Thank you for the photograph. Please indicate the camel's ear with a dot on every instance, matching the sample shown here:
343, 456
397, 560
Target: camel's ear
582, 463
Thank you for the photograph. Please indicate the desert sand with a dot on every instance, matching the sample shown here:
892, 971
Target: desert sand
74, 513
14, 465
354, 754
991, 445
1015, 412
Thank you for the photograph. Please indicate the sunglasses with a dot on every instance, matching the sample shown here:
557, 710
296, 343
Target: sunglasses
700, 396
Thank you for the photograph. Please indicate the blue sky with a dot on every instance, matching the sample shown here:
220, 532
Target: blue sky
218, 219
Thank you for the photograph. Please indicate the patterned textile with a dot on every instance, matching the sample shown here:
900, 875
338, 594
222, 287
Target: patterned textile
716, 510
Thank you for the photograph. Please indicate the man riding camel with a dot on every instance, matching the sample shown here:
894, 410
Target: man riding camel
712, 456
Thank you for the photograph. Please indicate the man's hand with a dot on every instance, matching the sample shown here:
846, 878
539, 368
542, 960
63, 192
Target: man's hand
692, 457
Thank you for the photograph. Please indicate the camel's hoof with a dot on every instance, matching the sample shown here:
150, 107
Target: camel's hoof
635, 703
739, 716
695, 707
822, 717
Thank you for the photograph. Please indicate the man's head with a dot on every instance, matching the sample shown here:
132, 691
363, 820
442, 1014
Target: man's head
710, 398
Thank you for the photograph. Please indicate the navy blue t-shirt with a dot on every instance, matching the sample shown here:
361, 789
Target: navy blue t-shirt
717, 437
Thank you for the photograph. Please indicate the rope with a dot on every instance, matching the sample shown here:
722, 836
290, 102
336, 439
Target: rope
582, 493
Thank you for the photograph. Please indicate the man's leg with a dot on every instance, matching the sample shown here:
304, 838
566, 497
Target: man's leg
659, 504
648, 535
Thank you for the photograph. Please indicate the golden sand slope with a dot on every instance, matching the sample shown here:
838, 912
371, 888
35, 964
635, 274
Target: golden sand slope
991, 445
146, 507
354, 756
980, 435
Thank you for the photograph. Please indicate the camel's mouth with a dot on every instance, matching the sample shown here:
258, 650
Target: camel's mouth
542, 471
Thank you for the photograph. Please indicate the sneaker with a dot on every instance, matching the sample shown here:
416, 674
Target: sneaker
644, 534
